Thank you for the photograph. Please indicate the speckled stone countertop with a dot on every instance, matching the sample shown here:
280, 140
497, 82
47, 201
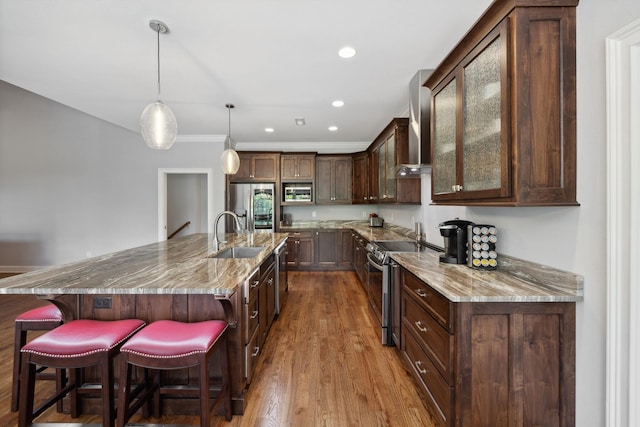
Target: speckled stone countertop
177, 266
388, 232
513, 281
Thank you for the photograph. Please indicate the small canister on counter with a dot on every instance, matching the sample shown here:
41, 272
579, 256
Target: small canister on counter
481, 246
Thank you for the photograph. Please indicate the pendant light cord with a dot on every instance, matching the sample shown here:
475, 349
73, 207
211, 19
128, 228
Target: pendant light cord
158, 31
229, 129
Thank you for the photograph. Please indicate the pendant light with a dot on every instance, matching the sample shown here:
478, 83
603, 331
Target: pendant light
230, 161
158, 123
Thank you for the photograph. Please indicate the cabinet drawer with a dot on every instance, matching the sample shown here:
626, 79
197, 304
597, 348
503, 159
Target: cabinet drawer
437, 305
300, 234
251, 286
433, 338
438, 394
251, 318
252, 351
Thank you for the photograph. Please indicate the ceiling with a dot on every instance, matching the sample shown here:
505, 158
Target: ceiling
274, 59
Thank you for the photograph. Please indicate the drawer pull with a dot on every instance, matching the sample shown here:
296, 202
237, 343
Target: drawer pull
418, 367
420, 327
255, 284
255, 353
422, 293
254, 314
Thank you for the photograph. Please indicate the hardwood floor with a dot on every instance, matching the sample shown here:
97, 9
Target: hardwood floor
322, 364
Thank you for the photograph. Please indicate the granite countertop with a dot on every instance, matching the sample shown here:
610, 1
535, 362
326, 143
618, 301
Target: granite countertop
177, 266
514, 280
388, 232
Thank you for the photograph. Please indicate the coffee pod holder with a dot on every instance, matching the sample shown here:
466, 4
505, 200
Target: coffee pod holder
481, 246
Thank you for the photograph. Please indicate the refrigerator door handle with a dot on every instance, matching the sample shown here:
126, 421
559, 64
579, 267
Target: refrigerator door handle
250, 212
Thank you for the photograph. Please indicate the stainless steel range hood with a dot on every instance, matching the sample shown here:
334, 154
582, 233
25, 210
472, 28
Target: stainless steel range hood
419, 127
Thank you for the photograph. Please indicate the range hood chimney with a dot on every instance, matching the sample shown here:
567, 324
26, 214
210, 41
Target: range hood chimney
419, 127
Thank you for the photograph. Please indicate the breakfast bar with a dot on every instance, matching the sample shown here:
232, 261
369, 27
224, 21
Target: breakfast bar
181, 279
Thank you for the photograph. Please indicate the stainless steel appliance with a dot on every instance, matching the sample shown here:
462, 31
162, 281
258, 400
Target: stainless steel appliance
254, 205
380, 286
455, 241
296, 193
282, 283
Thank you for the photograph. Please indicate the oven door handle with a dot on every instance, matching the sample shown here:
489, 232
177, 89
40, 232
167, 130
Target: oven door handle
374, 264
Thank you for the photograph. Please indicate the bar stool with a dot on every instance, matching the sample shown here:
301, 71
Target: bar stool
43, 318
74, 345
165, 345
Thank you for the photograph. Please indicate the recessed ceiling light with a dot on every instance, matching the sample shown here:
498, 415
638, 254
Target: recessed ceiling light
338, 103
268, 130
333, 128
299, 121
347, 52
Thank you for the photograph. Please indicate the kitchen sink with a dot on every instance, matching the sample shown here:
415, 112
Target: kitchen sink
239, 252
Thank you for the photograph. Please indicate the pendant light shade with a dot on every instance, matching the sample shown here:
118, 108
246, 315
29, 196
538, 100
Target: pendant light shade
230, 161
158, 124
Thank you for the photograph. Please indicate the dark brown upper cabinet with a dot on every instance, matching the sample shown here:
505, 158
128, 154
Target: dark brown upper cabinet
360, 178
503, 116
390, 149
297, 167
333, 179
257, 167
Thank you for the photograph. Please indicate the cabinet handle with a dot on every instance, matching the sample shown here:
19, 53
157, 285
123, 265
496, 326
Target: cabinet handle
418, 363
255, 284
420, 327
254, 314
255, 353
422, 293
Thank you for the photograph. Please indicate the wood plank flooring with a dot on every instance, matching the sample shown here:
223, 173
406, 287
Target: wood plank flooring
322, 365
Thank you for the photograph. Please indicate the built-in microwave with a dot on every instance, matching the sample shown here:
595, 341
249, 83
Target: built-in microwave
297, 194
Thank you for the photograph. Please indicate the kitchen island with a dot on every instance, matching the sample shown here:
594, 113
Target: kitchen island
174, 279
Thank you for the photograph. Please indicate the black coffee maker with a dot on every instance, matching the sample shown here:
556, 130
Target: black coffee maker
455, 241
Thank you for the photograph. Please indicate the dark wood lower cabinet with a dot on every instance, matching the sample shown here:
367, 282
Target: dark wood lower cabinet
319, 249
489, 364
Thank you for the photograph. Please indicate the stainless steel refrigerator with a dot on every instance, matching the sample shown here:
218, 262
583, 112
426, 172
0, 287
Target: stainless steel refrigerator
254, 205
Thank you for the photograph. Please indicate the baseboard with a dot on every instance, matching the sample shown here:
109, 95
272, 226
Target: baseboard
18, 269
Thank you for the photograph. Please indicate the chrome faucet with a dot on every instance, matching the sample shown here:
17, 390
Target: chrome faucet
215, 243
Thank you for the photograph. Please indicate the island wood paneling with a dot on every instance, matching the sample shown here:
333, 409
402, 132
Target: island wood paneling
322, 364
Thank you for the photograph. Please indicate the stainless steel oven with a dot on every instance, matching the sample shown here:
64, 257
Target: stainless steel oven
379, 280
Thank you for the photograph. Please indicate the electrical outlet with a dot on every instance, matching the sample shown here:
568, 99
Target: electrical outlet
313, 214
364, 214
102, 302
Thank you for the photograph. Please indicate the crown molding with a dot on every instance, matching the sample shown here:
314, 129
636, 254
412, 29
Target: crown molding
201, 138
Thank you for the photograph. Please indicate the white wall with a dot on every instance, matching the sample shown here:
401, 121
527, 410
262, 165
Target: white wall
73, 186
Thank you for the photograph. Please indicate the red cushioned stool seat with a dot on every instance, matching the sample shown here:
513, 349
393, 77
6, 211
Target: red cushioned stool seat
168, 344
43, 318
74, 345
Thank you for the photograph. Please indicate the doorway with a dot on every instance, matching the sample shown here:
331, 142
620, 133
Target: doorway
185, 195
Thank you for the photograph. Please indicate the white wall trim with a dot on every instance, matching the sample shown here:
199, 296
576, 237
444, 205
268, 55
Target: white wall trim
623, 226
162, 197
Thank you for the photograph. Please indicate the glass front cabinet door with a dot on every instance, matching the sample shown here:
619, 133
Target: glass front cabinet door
470, 125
